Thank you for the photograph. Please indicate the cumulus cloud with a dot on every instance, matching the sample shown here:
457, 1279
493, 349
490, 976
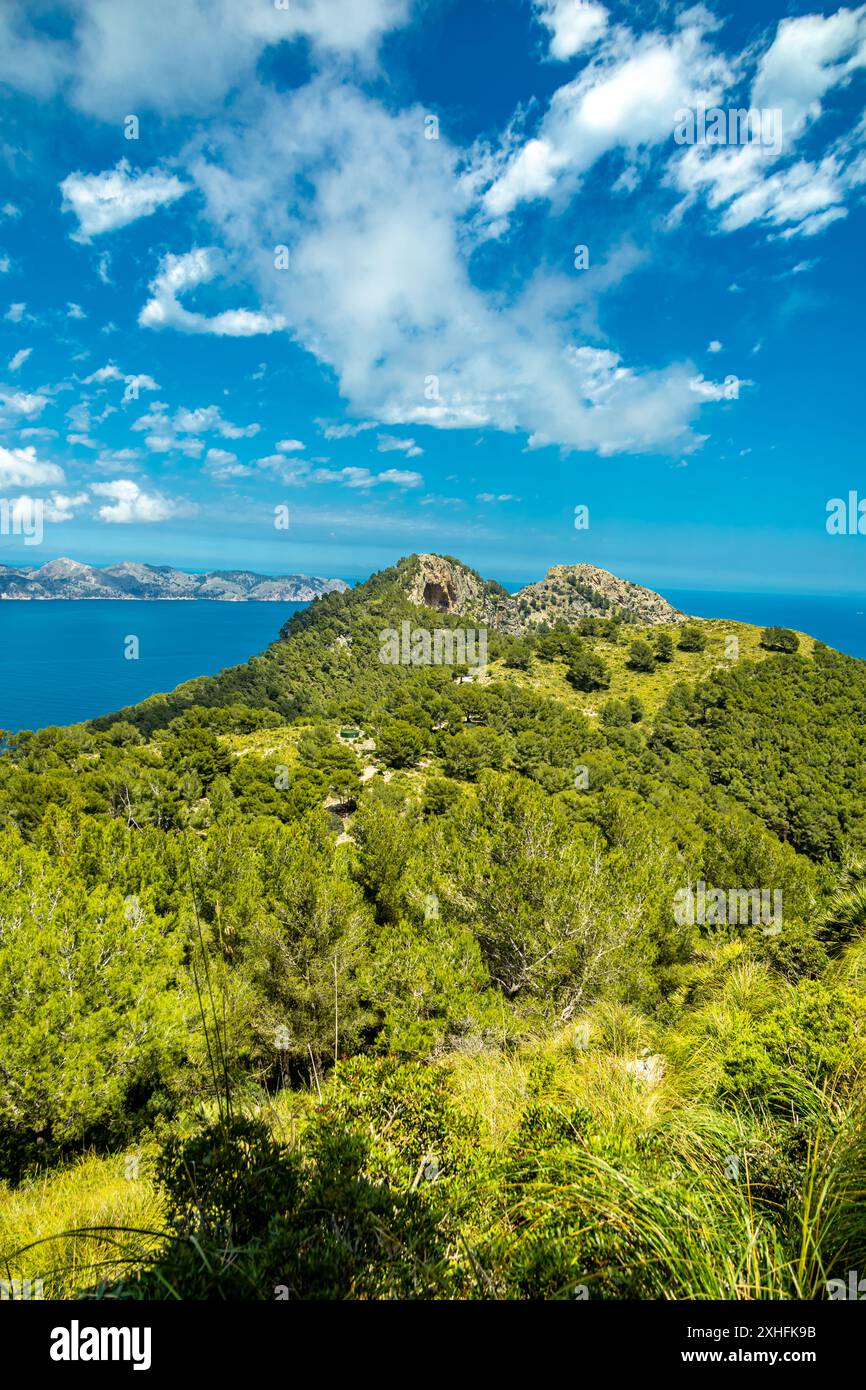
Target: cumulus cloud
55, 508
574, 24
179, 274
223, 465
209, 419
174, 56
807, 58
111, 372
792, 196
409, 337
19, 359
61, 507
128, 503
165, 433
626, 98
102, 202
21, 468
28, 404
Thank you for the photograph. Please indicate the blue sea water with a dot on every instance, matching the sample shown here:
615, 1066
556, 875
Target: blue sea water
62, 661
838, 620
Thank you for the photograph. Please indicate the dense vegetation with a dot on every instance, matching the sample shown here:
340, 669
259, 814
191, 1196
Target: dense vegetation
286, 1012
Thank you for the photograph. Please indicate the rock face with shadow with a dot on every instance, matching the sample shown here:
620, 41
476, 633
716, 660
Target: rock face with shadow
566, 594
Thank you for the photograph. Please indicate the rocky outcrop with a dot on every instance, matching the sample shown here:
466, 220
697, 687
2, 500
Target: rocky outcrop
447, 586
70, 579
571, 592
566, 594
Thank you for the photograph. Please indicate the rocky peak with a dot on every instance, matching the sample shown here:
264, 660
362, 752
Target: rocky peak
571, 592
566, 594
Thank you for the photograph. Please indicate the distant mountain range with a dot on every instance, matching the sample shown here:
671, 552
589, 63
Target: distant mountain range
69, 579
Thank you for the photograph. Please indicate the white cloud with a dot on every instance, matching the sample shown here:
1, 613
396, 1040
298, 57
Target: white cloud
61, 507
331, 431
298, 472
56, 508
128, 503
75, 311
714, 346
117, 460
27, 403
289, 446
223, 466
626, 98
102, 202
390, 444
209, 419
171, 444
21, 468
747, 184
807, 58
717, 390
179, 274
362, 477
171, 434
409, 337
175, 55
574, 24
19, 359
107, 373
800, 199
15, 313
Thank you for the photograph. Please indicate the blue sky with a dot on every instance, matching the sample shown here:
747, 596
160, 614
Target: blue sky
284, 293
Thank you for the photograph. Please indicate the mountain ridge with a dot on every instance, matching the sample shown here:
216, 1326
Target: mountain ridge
567, 593
130, 580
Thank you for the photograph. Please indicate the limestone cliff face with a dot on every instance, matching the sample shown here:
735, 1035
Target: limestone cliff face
446, 586
566, 594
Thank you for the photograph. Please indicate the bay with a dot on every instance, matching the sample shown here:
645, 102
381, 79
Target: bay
62, 661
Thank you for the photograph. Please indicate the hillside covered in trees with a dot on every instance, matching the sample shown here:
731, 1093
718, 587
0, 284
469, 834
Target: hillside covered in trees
334, 977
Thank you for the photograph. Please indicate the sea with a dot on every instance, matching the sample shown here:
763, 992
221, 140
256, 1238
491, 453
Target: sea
64, 661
